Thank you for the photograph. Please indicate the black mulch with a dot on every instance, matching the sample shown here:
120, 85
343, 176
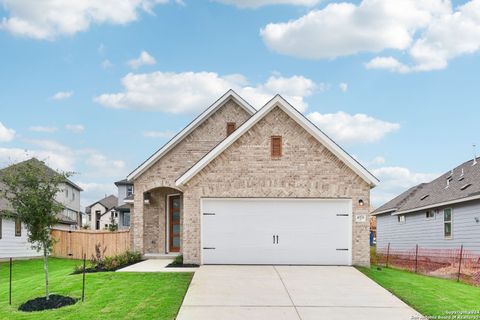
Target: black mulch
177, 265
54, 302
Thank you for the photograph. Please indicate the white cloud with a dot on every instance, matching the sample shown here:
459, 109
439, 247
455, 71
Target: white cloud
6, 134
62, 95
260, 3
378, 160
432, 32
395, 180
343, 86
144, 59
387, 63
75, 128
106, 64
358, 128
49, 19
159, 134
45, 129
192, 91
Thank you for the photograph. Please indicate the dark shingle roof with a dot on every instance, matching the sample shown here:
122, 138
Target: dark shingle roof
109, 202
463, 182
49, 170
123, 182
398, 201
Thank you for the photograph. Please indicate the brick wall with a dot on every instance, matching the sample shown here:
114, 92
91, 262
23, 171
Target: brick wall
306, 169
147, 227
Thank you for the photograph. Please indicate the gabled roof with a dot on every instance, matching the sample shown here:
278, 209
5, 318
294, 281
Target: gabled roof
188, 129
301, 120
35, 162
109, 203
455, 186
398, 201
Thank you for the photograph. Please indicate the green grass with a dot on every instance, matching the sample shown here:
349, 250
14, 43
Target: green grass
429, 296
109, 295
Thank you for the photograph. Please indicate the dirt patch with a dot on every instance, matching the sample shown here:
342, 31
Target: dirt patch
54, 302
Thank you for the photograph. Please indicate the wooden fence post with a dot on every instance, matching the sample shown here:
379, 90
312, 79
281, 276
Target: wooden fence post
388, 254
416, 258
460, 263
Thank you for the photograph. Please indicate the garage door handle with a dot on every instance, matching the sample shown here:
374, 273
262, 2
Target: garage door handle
277, 239
342, 249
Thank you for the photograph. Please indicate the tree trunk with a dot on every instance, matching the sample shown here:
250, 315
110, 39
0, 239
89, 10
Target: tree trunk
45, 268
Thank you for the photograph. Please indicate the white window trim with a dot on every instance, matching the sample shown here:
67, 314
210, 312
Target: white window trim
450, 237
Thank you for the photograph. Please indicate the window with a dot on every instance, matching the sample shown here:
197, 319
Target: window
0, 227
447, 223
18, 228
116, 214
73, 195
276, 146
129, 191
126, 219
231, 126
401, 218
66, 193
429, 214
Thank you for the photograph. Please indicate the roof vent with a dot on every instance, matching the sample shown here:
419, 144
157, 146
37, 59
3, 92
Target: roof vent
474, 155
465, 186
424, 197
448, 183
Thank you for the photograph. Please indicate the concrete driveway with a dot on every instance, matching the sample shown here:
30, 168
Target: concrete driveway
288, 293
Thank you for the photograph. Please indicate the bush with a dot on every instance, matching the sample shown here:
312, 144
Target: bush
101, 263
178, 260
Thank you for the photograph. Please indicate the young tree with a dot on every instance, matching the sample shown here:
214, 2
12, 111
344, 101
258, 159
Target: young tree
30, 189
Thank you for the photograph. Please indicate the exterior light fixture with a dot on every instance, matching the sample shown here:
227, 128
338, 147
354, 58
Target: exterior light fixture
361, 203
146, 197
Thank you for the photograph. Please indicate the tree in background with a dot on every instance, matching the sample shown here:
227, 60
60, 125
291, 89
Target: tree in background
30, 189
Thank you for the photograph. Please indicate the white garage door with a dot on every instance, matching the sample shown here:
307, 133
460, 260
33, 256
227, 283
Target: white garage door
276, 231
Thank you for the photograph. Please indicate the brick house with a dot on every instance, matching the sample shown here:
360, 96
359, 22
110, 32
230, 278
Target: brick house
241, 186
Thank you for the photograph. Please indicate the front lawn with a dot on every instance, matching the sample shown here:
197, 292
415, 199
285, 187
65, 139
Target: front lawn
429, 296
109, 295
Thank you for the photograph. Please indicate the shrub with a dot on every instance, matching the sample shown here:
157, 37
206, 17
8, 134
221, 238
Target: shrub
178, 260
98, 262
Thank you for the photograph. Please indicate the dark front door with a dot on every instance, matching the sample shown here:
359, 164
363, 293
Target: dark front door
174, 224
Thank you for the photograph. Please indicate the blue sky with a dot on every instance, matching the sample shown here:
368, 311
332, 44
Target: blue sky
395, 83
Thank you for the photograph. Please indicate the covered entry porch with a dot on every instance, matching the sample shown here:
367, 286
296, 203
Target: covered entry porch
163, 219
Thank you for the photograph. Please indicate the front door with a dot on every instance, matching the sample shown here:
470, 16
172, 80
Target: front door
174, 223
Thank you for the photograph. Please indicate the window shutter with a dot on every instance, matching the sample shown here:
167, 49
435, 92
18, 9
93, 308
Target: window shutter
231, 126
276, 146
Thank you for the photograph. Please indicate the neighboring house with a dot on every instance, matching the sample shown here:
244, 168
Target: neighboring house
241, 186
125, 200
442, 214
102, 213
13, 234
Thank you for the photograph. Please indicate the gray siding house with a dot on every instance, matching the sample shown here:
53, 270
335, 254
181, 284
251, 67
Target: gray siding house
125, 201
442, 214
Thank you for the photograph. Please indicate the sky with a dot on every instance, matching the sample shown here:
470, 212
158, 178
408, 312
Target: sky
96, 87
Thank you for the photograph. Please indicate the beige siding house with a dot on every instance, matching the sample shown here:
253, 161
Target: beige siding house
241, 186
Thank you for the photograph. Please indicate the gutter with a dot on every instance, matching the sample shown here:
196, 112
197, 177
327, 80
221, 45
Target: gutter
439, 204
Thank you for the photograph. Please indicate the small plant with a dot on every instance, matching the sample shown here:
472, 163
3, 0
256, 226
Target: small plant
99, 262
178, 260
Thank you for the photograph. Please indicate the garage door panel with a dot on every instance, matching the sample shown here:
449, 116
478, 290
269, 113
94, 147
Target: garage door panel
242, 231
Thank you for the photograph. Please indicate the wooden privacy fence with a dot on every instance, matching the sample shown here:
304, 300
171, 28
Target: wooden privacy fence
73, 244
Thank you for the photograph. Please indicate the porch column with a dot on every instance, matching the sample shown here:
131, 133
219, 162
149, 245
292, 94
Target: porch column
136, 228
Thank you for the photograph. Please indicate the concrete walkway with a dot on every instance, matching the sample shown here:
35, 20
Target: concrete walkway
288, 293
155, 265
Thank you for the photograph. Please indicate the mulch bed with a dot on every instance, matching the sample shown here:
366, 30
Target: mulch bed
95, 270
175, 265
54, 302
